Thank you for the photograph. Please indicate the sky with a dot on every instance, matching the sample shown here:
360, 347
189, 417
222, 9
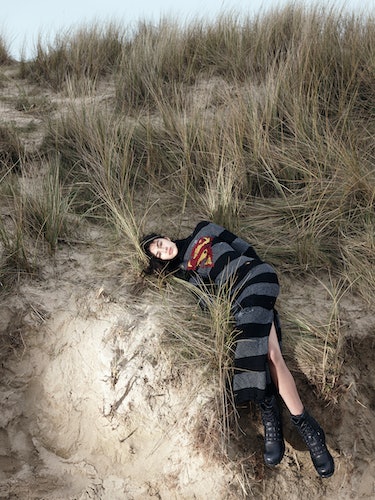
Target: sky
22, 21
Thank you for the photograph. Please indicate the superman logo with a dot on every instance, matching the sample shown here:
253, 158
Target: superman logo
201, 255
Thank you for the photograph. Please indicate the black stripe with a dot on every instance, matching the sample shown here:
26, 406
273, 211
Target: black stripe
227, 236
201, 225
243, 270
221, 263
250, 252
252, 330
266, 301
253, 363
266, 277
250, 394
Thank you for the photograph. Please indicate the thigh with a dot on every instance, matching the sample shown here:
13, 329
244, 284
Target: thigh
274, 351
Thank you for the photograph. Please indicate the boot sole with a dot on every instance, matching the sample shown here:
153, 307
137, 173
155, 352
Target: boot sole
277, 463
324, 476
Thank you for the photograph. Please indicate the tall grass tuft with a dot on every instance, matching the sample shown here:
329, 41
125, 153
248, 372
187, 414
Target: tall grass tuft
5, 57
99, 162
316, 346
14, 257
47, 208
12, 151
203, 336
358, 255
77, 58
152, 63
16, 252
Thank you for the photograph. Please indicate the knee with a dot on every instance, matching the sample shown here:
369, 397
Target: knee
275, 356
274, 353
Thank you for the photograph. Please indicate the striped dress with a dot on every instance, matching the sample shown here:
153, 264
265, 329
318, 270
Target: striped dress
213, 254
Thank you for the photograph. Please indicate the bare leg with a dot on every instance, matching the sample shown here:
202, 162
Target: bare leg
310, 430
282, 377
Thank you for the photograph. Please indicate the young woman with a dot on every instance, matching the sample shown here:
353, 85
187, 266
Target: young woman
212, 254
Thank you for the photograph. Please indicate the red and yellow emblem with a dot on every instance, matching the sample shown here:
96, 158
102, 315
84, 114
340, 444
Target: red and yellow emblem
201, 255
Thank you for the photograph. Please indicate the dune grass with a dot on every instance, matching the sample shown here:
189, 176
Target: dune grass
46, 208
264, 125
5, 57
76, 58
203, 338
242, 121
314, 345
16, 258
12, 151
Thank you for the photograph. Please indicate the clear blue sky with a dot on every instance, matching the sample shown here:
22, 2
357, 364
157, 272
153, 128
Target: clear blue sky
23, 20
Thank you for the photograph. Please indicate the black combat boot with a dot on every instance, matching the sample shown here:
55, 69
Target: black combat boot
274, 446
314, 438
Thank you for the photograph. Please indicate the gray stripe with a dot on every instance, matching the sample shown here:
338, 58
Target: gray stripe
263, 267
251, 347
255, 271
249, 379
255, 314
229, 269
268, 289
240, 245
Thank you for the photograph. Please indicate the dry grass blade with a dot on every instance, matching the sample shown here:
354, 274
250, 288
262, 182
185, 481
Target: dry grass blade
317, 348
76, 55
47, 208
5, 57
204, 338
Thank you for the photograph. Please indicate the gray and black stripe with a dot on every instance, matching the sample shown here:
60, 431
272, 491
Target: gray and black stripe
255, 287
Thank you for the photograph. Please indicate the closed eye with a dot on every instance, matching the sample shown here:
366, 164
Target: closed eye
159, 245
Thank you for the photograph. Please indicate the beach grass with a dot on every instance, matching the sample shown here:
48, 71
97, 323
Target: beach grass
263, 124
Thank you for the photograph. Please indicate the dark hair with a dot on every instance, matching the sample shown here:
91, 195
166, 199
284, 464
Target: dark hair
156, 265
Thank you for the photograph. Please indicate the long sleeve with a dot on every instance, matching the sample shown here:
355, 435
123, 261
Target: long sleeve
212, 254
238, 244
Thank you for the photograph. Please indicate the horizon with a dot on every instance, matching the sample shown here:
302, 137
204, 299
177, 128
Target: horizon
23, 25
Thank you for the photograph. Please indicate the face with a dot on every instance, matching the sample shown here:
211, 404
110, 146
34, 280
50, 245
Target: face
163, 249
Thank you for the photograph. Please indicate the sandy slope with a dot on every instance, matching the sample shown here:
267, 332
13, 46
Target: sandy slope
93, 408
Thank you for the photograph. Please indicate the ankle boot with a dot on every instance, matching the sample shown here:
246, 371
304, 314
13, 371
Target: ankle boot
314, 438
274, 446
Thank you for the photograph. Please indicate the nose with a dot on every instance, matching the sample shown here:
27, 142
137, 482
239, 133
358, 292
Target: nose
163, 248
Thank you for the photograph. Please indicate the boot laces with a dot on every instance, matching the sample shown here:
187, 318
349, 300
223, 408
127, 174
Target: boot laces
313, 436
271, 422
